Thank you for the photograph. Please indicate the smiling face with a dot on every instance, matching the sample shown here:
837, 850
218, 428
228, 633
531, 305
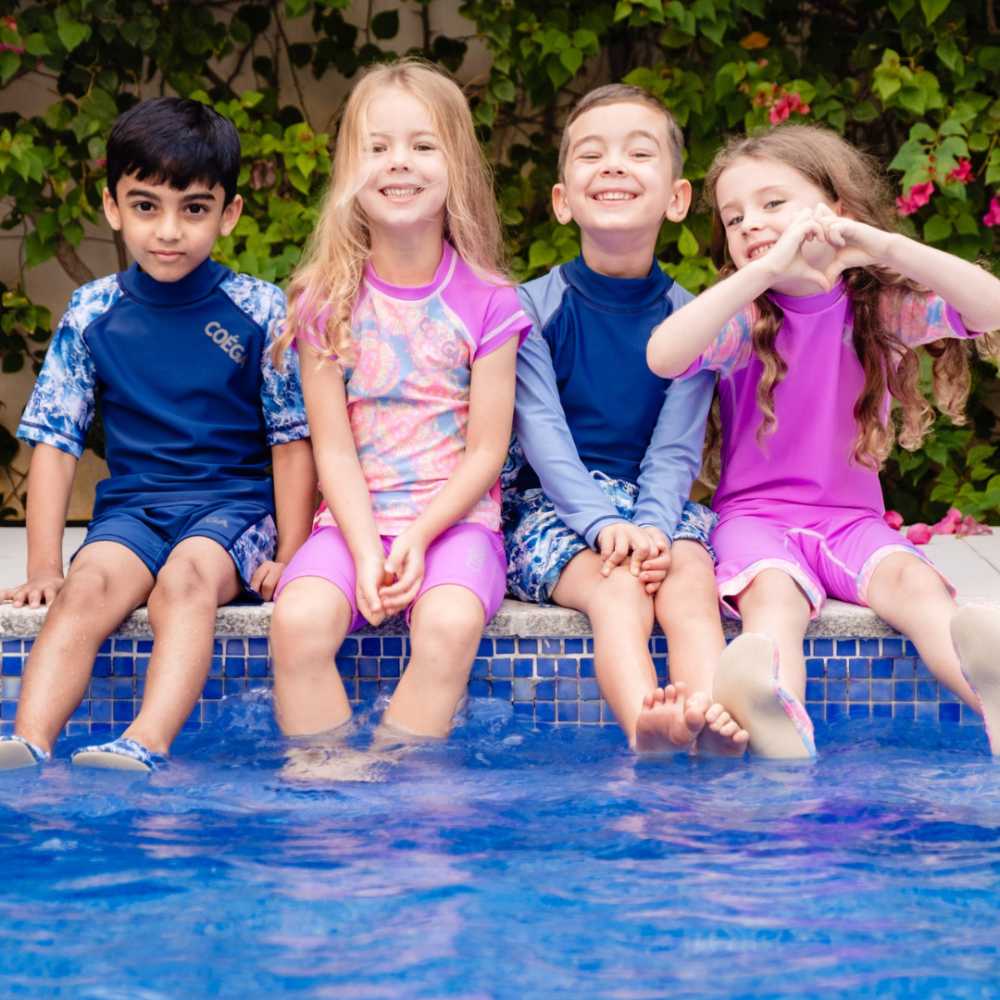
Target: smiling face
169, 232
618, 175
407, 173
758, 199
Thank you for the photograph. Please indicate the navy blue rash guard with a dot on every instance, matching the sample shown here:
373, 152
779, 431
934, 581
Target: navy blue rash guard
189, 399
587, 401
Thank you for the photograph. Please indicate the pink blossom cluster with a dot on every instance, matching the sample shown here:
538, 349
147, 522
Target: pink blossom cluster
919, 195
786, 105
962, 173
992, 217
11, 25
953, 523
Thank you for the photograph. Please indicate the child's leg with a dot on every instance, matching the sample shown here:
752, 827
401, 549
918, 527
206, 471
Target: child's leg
773, 605
311, 618
105, 583
621, 618
445, 628
198, 576
464, 584
911, 597
687, 608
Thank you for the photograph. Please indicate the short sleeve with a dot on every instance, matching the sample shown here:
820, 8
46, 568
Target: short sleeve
62, 403
503, 318
281, 388
919, 316
731, 350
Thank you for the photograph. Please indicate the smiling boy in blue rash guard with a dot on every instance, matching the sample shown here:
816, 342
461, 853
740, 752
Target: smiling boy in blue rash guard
174, 353
599, 517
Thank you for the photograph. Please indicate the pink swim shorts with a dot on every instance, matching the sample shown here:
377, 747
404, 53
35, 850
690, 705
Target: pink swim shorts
826, 551
466, 555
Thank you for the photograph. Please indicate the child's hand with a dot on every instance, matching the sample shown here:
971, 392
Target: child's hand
654, 569
404, 569
35, 592
855, 244
620, 541
266, 578
366, 589
786, 258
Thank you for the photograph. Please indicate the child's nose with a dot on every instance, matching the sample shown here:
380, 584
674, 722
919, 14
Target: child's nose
168, 227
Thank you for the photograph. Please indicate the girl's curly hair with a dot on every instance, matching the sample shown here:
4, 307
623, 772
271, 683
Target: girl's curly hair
854, 179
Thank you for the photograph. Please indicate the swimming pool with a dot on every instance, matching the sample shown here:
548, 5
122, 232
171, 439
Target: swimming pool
511, 861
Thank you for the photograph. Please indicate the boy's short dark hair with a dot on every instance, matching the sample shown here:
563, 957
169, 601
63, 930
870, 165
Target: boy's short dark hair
176, 141
624, 93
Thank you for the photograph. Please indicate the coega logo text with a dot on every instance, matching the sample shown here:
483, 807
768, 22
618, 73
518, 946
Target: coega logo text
229, 342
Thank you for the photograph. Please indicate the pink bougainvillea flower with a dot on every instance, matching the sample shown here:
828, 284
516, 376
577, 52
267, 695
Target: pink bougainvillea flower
893, 518
992, 217
962, 173
786, 105
919, 534
949, 524
970, 526
11, 25
919, 195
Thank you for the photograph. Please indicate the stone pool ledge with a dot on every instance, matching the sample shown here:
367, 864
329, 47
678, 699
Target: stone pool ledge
513, 619
538, 659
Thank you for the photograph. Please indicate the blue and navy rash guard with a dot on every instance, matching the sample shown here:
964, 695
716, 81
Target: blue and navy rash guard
189, 398
587, 401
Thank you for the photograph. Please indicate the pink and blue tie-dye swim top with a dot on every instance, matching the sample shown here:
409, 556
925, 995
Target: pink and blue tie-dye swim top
808, 458
408, 388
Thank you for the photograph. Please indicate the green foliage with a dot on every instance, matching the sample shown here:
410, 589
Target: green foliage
913, 81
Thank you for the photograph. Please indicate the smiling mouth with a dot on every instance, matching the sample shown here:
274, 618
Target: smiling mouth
606, 196
759, 250
400, 193
167, 254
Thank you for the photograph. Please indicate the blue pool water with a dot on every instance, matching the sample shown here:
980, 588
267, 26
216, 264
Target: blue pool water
507, 862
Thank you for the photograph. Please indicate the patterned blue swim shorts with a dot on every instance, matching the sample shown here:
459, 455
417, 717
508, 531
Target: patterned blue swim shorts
539, 545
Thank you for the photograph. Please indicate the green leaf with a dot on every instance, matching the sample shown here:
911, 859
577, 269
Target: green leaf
385, 24
937, 228
71, 33
900, 8
949, 53
10, 63
572, 59
36, 45
503, 89
687, 244
933, 9
541, 254
623, 9
989, 58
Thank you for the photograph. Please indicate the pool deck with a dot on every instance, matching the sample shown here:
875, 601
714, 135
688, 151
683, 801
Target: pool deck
972, 564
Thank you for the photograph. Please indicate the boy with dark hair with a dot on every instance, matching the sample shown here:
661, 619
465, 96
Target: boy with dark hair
599, 517
174, 351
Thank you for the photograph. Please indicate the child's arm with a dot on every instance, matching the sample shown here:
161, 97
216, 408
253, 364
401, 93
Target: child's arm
491, 409
340, 476
971, 290
50, 482
684, 334
294, 473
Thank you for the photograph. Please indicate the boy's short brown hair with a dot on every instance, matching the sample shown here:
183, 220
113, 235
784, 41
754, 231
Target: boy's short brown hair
624, 93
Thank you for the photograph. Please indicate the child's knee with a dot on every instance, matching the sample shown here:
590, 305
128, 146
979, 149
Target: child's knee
450, 621
182, 581
84, 589
310, 611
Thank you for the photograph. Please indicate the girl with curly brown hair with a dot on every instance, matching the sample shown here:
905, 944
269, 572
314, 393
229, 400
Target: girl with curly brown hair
814, 332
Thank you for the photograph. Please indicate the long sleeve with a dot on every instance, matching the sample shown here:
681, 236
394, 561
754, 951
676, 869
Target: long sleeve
673, 457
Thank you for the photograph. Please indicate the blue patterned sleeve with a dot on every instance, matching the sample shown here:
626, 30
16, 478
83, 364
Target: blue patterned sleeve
281, 388
62, 403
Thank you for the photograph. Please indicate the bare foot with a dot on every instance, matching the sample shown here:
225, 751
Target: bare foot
326, 764
665, 724
722, 735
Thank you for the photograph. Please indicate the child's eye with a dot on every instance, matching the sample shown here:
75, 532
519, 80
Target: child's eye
377, 147
774, 203
143, 207
425, 147
197, 209
642, 154
733, 220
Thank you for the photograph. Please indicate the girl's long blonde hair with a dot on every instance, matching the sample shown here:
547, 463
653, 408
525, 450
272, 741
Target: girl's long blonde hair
324, 286
845, 174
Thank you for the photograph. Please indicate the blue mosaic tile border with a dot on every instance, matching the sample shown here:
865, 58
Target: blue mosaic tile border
549, 680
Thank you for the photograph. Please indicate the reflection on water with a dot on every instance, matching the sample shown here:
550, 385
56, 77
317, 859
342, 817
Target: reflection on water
505, 862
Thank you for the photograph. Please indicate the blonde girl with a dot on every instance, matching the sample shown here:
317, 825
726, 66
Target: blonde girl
821, 310
407, 335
